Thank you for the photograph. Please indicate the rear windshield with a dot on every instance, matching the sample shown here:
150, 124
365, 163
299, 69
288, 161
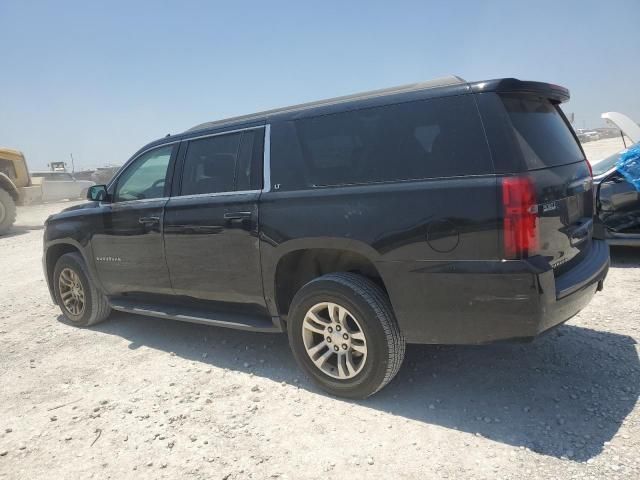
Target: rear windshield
544, 137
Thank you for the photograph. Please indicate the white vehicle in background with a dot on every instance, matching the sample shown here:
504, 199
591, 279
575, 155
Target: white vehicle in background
585, 135
592, 135
60, 185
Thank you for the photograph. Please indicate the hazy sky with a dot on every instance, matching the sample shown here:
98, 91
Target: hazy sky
100, 79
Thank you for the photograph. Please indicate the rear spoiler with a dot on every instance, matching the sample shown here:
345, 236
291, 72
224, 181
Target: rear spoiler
555, 93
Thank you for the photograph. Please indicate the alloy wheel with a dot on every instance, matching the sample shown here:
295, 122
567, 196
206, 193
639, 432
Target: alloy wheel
334, 340
71, 292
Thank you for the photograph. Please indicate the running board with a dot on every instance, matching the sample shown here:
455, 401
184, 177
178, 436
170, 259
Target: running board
238, 321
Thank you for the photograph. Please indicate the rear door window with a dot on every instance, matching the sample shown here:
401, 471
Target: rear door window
434, 138
210, 165
542, 134
224, 163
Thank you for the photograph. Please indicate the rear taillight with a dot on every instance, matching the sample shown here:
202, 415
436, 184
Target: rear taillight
520, 217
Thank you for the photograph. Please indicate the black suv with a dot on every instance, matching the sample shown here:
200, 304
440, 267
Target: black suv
442, 212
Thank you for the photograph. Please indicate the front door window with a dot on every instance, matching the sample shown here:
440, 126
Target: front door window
145, 178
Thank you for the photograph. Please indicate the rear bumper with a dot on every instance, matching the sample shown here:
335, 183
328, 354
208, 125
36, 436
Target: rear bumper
592, 269
574, 289
483, 302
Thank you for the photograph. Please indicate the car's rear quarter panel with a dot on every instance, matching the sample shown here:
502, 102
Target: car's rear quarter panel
420, 235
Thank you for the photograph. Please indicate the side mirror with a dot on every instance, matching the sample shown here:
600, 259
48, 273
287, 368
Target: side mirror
97, 193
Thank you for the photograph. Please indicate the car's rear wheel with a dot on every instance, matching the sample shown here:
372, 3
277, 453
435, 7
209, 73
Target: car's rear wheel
81, 303
344, 335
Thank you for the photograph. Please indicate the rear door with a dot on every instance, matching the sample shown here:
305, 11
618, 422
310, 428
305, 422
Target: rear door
211, 220
530, 137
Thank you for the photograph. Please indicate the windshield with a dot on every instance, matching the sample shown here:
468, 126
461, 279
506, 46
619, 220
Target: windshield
608, 163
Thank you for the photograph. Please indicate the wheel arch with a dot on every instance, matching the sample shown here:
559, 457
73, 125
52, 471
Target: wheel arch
54, 251
302, 261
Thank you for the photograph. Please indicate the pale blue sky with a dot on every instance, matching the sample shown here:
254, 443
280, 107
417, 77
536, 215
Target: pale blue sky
100, 79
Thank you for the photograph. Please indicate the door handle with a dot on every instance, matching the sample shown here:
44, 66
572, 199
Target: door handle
149, 220
237, 215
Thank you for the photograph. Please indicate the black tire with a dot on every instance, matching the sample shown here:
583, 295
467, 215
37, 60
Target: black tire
96, 308
366, 301
7, 211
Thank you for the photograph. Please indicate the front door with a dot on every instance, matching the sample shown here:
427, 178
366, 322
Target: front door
127, 243
211, 221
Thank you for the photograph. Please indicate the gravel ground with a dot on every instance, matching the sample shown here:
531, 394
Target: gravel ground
147, 398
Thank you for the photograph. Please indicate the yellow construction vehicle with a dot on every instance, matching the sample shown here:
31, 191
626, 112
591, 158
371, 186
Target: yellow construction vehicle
15, 186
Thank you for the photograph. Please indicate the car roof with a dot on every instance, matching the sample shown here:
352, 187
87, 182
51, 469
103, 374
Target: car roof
439, 87
384, 92
444, 86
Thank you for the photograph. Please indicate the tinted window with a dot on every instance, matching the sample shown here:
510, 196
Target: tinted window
541, 132
250, 159
145, 177
210, 164
431, 138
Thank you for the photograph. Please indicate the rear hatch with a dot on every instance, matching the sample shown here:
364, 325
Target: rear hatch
547, 186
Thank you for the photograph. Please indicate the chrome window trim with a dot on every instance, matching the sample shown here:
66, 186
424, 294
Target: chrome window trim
266, 167
140, 201
266, 161
214, 194
180, 197
226, 132
217, 134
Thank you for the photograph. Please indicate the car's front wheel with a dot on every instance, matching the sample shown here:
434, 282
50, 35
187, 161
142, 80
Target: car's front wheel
344, 335
82, 304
